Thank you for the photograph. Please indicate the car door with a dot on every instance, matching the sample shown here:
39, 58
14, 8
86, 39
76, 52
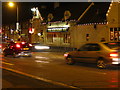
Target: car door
92, 53
82, 53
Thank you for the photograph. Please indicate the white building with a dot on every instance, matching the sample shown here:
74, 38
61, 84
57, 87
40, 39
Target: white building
100, 21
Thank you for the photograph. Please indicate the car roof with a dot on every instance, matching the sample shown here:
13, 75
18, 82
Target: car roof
102, 42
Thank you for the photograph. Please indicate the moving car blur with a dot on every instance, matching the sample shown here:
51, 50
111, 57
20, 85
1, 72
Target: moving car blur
39, 47
17, 49
103, 54
0, 47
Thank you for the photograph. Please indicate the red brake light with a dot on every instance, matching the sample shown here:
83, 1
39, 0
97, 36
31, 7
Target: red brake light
66, 54
18, 45
23, 42
114, 54
30, 45
0, 46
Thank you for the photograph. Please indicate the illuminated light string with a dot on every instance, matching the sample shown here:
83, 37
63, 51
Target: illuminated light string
78, 24
109, 9
92, 24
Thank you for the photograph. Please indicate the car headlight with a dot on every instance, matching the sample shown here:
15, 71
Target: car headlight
42, 47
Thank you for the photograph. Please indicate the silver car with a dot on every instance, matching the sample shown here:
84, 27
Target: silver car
103, 54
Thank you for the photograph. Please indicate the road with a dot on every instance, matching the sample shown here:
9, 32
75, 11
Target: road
51, 67
9, 81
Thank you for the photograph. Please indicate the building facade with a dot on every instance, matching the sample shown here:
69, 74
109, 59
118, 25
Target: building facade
70, 34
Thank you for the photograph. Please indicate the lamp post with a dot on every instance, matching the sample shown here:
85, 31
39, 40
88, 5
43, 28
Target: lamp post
11, 4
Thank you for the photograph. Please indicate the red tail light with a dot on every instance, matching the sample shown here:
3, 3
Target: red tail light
66, 54
18, 45
23, 42
0, 46
114, 54
30, 45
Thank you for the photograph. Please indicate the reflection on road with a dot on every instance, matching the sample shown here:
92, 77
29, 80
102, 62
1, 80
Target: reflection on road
52, 66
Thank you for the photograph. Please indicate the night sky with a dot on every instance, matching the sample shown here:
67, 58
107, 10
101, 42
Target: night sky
9, 13
97, 13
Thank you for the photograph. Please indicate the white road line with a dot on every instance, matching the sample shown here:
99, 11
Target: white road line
40, 78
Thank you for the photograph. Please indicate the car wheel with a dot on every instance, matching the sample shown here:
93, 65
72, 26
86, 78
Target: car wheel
70, 61
101, 64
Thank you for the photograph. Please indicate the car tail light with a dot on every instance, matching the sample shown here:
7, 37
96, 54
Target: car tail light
30, 45
23, 42
66, 54
11, 47
0, 46
18, 45
114, 54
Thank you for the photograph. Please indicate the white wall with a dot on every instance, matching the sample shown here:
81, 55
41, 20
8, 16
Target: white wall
78, 34
113, 15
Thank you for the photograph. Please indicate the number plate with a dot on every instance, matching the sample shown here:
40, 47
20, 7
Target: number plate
25, 48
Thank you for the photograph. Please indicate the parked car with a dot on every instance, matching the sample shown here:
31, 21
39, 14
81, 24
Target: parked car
17, 49
103, 54
39, 47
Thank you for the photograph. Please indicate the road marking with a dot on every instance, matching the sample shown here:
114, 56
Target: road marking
39, 61
40, 78
39, 57
7, 63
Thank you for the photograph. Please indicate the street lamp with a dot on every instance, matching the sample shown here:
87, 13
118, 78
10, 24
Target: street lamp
11, 4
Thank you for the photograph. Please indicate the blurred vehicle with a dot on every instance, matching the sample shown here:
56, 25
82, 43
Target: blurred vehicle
103, 54
0, 48
39, 47
17, 49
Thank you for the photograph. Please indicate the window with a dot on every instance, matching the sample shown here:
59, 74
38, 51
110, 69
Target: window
66, 38
50, 38
84, 47
90, 47
112, 44
115, 34
94, 47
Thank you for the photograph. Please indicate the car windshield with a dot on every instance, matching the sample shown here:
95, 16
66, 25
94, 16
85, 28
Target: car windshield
113, 44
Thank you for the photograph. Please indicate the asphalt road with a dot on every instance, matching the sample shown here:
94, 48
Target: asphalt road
15, 80
51, 67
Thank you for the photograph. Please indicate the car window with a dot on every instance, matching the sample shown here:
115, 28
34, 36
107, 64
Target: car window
90, 47
94, 47
112, 44
84, 47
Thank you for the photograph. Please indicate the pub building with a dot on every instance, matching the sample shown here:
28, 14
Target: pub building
73, 27
58, 34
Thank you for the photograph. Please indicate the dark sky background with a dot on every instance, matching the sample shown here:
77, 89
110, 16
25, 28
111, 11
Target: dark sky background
97, 13
9, 14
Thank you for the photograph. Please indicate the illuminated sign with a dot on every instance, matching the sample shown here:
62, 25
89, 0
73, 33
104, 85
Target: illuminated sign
58, 29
